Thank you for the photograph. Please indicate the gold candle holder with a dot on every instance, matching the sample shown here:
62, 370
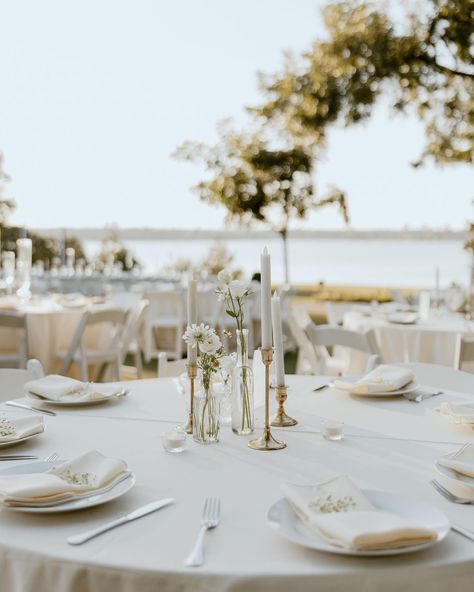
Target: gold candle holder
281, 419
266, 440
192, 373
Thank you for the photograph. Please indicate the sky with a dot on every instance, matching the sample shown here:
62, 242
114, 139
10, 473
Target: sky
95, 96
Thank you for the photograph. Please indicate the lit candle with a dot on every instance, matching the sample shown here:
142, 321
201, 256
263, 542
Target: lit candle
192, 317
278, 341
266, 298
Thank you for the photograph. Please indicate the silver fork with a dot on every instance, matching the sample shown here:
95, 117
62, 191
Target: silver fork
210, 519
52, 456
447, 494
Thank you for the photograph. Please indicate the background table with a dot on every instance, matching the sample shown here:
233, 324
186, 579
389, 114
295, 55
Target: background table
243, 553
434, 340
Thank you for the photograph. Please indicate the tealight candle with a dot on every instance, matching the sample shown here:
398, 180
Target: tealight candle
332, 430
174, 441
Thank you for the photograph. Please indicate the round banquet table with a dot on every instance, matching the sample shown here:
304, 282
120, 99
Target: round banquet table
50, 326
434, 340
390, 445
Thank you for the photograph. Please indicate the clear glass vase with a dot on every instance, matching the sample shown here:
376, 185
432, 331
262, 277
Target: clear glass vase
242, 389
206, 416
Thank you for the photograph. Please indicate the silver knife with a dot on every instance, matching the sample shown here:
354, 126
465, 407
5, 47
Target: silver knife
78, 539
45, 411
17, 457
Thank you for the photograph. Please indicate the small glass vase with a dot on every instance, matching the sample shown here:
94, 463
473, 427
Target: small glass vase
242, 389
206, 416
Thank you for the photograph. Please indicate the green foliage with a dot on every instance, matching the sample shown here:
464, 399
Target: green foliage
425, 63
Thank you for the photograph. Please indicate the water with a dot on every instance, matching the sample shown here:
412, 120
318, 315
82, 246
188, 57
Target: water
363, 262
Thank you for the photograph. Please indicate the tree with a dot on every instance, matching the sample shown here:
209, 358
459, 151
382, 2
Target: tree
425, 62
255, 181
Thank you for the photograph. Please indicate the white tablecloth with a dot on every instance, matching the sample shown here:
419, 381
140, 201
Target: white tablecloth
243, 554
432, 341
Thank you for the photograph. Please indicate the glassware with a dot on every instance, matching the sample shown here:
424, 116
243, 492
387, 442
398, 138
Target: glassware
242, 389
206, 416
332, 430
174, 441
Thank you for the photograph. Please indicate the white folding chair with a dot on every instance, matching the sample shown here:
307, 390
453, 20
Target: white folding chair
165, 314
132, 339
442, 377
13, 380
329, 336
307, 361
17, 324
109, 355
464, 357
170, 369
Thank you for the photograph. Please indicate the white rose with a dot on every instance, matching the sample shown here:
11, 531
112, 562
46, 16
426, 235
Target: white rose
224, 277
210, 345
237, 289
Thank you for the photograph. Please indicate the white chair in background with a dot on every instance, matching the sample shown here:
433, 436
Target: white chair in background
307, 362
464, 357
132, 339
19, 357
13, 380
324, 336
442, 377
165, 313
110, 355
170, 369
209, 308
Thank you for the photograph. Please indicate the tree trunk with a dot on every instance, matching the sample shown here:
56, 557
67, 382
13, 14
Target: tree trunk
286, 266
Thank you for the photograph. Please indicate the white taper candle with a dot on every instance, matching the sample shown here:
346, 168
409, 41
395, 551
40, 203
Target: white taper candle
278, 341
192, 316
266, 298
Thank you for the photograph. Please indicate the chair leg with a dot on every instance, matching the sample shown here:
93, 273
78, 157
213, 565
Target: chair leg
116, 368
84, 369
138, 362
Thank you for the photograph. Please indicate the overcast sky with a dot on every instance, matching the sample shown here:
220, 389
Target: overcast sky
96, 95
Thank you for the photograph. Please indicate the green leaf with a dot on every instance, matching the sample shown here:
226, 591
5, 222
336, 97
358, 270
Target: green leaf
231, 313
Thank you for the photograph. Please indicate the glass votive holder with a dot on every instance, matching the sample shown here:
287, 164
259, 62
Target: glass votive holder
174, 441
332, 430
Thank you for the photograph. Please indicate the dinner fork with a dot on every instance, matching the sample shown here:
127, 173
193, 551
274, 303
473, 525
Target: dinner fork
52, 456
210, 519
447, 494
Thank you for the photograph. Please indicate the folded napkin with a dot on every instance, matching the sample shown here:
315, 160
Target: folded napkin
89, 473
12, 429
402, 318
342, 515
62, 388
460, 412
461, 462
384, 379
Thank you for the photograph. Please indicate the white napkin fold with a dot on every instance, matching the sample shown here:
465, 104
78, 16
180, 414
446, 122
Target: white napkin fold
12, 429
384, 379
342, 515
461, 461
460, 412
89, 473
62, 388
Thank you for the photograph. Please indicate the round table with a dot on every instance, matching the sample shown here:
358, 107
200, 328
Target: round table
390, 444
433, 340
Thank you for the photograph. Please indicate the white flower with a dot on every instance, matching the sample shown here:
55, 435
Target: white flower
211, 344
197, 334
237, 289
224, 277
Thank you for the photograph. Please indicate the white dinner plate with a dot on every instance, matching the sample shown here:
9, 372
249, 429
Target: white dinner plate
409, 388
18, 440
284, 520
85, 403
71, 505
460, 485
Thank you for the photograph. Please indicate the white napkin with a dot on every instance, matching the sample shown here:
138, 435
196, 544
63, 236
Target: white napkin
384, 379
460, 412
461, 462
89, 473
341, 514
12, 429
62, 388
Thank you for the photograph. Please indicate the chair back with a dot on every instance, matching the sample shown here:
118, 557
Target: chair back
210, 310
329, 336
13, 380
170, 369
132, 332
16, 323
307, 359
465, 353
165, 303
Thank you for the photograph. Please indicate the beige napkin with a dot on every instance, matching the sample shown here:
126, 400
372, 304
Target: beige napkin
342, 515
89, 473
12, 429
461, 462
62, 388
460, 412
384, 379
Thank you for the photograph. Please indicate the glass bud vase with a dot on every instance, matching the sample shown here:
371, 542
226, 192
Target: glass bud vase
242, 389
206, 416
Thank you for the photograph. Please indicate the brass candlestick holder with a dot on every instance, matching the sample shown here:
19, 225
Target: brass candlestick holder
266, 440
281, 419
192, 373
